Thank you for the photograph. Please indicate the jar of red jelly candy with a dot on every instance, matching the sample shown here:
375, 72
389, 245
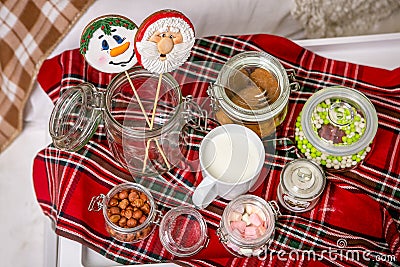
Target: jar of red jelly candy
336, 127
248, 225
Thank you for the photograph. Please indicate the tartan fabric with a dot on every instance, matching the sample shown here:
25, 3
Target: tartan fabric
29, 30
355, 223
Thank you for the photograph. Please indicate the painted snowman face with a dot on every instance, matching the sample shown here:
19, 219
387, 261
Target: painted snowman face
108, 44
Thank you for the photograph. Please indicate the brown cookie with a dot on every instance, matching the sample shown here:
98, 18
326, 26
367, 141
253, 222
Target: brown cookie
222, 118
237, 81
249, 98
262, 129
266, 81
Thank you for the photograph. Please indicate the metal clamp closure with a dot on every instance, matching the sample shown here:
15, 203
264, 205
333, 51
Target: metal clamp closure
222, 237
194, 114
213, 98
275, 208
293, 85
96, 203
98, 102
158, 218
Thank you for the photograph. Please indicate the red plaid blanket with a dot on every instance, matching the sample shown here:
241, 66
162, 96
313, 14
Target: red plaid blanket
355, 223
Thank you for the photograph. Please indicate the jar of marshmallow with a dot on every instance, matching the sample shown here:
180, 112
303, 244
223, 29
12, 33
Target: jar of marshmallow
247, 225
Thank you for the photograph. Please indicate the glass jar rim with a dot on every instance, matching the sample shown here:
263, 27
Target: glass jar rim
139, 71
165, 231
269, 214
349, 95
129, 185
265, 61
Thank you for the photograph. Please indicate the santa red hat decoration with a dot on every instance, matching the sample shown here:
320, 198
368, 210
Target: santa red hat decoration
164, 40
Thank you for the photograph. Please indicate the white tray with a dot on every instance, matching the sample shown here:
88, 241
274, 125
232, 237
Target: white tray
382, 50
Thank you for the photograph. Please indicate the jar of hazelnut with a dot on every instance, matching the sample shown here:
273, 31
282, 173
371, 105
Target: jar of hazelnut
129, 211
252, 89
131, 214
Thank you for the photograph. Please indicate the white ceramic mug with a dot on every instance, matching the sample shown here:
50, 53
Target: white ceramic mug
231, 159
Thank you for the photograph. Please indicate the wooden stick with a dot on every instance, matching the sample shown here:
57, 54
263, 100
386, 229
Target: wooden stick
148, 123
156, 101
152, 119
137, 98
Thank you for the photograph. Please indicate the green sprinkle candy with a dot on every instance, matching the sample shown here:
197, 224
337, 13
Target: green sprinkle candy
349, 141
313, 155
300, 143
323, 162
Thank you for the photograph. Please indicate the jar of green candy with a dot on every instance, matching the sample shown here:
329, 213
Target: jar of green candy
336, 127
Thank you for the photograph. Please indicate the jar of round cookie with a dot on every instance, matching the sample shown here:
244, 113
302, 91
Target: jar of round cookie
248, 225
129, 211
336, 128
252, 89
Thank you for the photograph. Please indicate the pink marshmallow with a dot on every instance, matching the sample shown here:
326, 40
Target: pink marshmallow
239, 225
251, 232
255, 219
261, 230
235, 216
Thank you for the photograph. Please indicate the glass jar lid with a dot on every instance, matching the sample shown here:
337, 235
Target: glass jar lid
183, 231
252, 86
303, 178
75, 117
339, 121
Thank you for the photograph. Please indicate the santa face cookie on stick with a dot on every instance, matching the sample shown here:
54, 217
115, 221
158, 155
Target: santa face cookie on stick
164, 41
107, 43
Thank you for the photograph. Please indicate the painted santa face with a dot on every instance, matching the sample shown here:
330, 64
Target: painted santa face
109, 46
164, 43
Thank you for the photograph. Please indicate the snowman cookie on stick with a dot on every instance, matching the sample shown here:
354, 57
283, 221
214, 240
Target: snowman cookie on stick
163, 42
107, 43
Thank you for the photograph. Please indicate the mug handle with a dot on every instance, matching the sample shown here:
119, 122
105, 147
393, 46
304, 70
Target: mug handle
204, 193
